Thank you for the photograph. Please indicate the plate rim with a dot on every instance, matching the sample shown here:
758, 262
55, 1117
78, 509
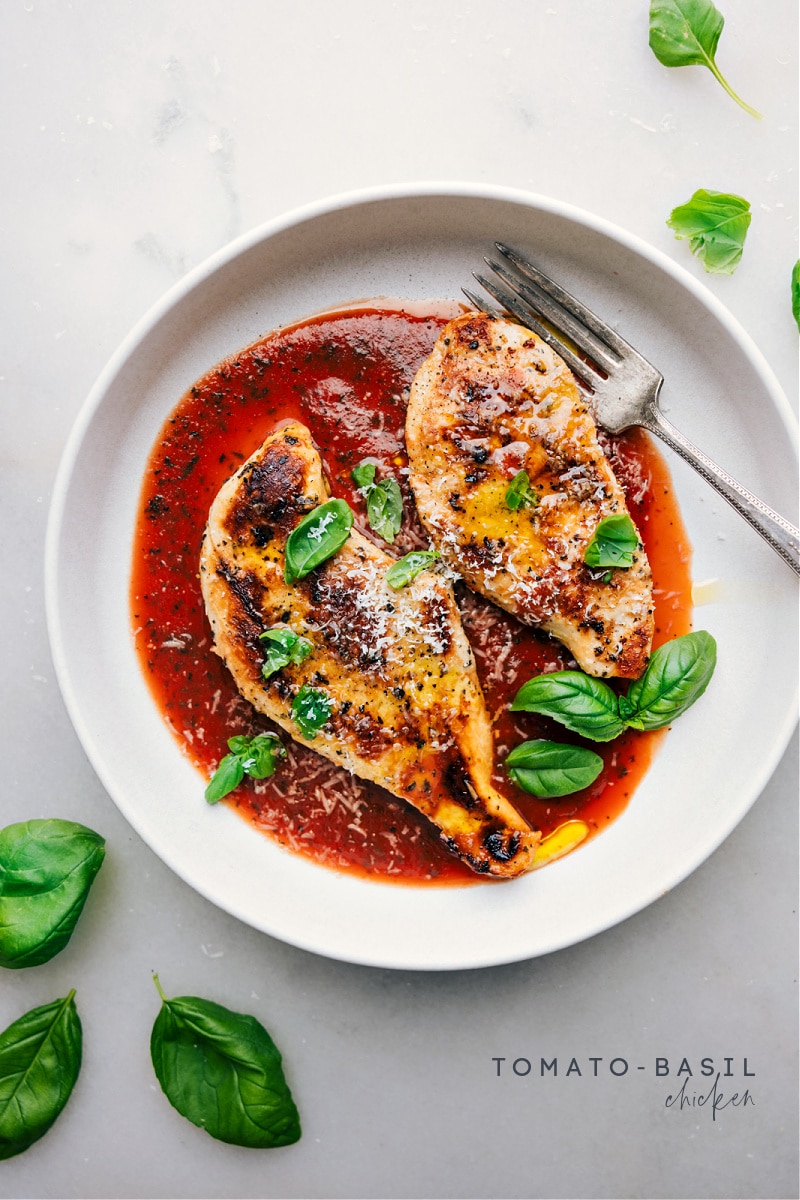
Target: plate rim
235, 249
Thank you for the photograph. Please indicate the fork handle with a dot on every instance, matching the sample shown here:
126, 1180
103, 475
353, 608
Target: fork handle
775, 529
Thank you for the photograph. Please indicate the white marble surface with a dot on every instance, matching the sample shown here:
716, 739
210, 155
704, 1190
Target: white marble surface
139, 138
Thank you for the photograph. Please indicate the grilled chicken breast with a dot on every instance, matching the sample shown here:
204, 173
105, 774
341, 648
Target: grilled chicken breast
407, 709
491, 400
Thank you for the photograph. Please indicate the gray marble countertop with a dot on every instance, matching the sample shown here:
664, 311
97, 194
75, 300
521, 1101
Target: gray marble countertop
140, 138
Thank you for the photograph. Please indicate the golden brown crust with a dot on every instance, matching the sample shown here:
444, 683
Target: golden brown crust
493, 399
408, 710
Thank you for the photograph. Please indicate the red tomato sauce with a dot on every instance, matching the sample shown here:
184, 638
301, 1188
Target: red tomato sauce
347, 375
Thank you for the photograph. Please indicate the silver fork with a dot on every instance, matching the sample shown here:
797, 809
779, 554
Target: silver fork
624, 385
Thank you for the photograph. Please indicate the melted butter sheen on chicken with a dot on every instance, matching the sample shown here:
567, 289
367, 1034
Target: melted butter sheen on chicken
493, 399
408, 711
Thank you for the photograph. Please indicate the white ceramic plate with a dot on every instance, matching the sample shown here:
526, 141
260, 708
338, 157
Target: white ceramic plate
420, 243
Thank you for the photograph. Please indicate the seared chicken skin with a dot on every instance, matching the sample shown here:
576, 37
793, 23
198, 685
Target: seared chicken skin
407, 709
491, 400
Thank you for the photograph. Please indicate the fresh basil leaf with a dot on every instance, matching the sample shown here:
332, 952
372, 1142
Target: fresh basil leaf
520, 494
40, 1058
319, 535
249, 756
223, 1072
384, 500
282, 648
716, 225
227, 777
579, 702
613, 543
407, 568
796, 292
385, 509
311, 709
678, 673
239, 744
364, 475
686, 33
552, 769
259, 762
46, 870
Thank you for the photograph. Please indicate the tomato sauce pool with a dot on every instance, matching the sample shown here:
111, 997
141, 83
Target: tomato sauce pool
346, 375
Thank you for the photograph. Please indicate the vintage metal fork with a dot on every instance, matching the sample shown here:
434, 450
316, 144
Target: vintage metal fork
624, 385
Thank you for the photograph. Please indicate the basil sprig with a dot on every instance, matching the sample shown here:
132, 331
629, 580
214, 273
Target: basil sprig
318, 536
407, 568
384, 500
716, 225
578, 702
283, 647
256, 757
223, 1072
613, 542
677, 675
40, 1058
686, 33
311, 709
519, 493
552, 769
795, 291
46, 870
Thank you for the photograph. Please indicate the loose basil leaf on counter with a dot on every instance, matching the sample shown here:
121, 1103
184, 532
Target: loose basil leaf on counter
223, 1072
46, 870
796, 292
283, 647
40, 1057
319, 535
384, 501
678, 673
582, 703
686, 33
519, 493
613, 542
254, 756
551, 768
407, 568
716, 225
311, 709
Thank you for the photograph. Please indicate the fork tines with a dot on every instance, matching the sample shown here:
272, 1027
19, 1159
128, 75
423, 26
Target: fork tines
589, 347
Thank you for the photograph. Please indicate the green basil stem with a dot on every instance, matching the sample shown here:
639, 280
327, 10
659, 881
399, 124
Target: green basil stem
720, 78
